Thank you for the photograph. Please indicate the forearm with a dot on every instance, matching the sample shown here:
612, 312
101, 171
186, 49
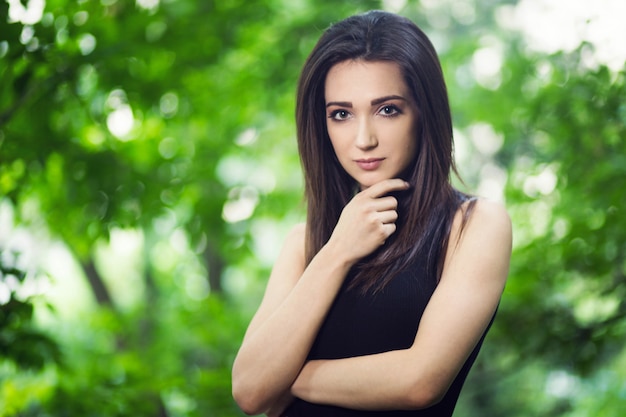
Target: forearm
456, 317
412, 378
386, 381
271, 356
280, 405
297, 299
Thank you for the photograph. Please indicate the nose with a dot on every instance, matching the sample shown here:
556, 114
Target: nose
365, 137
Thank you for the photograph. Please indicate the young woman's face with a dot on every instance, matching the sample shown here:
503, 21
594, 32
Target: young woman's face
371, 119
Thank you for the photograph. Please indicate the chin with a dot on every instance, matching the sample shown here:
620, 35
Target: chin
364, 184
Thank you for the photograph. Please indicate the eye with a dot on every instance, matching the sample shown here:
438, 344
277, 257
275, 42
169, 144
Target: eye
339, 115
389, 110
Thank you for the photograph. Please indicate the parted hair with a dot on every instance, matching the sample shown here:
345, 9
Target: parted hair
426, 211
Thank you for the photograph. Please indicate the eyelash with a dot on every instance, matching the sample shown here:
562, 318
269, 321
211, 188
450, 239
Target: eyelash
395, 111
333, 115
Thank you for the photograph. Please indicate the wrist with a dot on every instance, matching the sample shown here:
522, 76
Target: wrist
332, 252
301, 387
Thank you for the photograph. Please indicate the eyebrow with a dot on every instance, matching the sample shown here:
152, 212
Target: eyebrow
373, 102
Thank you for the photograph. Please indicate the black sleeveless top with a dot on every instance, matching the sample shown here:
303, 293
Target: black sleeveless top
360, 324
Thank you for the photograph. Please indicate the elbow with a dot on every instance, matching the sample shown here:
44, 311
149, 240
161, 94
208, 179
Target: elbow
245, 392
424, 396
249, 400
249, 408
246, 402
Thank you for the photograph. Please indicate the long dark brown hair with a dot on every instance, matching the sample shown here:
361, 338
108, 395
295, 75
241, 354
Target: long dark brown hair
425, 211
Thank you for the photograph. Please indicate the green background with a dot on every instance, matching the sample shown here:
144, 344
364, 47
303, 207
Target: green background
149, 172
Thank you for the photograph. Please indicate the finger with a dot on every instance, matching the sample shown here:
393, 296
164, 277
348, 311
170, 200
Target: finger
387, 217
389, 229
381, 188
375, 204
385, 203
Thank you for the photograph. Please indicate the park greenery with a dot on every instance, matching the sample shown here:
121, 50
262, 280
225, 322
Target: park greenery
149, 171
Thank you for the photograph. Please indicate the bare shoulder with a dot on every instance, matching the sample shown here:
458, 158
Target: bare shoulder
481, 237
492, 209
479, 247
296, 237
285, 274
293, 246
297, 233
484, 217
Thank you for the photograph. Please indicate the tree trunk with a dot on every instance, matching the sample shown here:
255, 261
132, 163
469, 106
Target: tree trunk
215, 266
98, 287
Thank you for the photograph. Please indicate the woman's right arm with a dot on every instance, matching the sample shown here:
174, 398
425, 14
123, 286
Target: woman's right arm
298, 297
281, 333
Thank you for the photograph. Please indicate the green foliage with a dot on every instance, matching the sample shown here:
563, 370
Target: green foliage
581, 245
21, 342
170, 124
24, 348
175, 365
561, 326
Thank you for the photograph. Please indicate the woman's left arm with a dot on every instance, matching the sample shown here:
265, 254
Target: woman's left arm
459, 311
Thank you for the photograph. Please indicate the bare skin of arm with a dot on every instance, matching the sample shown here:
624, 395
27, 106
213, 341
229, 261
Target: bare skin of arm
297, 299
474, 275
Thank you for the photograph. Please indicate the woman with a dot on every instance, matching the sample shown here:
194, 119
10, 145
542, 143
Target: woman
388, 246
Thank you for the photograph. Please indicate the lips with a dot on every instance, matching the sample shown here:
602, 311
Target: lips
369, 164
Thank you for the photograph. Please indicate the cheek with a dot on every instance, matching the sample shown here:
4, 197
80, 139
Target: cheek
404, 137
406, 141
338, 138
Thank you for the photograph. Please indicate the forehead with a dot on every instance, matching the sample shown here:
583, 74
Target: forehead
364, 79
